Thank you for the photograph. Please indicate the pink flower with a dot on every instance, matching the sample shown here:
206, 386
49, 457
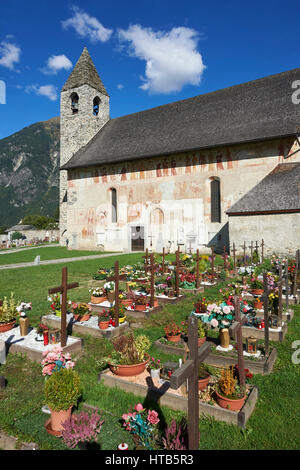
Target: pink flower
214, 322
153, 417
47, 370
139, 407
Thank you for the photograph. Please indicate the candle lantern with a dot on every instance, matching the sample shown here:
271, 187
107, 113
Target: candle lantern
54, 336
251, 345
168, 369
46, 337
274, 322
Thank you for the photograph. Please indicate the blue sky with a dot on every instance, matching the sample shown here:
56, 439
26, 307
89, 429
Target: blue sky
147, 52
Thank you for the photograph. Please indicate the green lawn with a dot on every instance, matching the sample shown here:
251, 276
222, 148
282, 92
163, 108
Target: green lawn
45, 253
275, 423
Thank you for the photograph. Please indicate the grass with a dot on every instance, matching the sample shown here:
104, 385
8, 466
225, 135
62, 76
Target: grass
274, 424
46, 253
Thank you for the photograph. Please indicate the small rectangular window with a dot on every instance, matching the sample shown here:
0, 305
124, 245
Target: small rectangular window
114, 214
215, 198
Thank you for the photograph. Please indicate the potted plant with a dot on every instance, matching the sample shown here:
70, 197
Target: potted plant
62, 390
228, 392
81, 311
98, 295
173, 332
125, 300
221, 317
257, 303
130, 355
202, 332
204, 377
55, 303
103, 319
140, 302
40, 332
201, 305
8, 312
110, 291
55, 359
257, 287
81, 430
155, 367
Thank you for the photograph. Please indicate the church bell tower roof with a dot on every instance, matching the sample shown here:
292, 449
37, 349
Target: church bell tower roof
85, 73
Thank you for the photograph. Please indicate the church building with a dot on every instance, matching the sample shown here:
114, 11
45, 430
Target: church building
214, 169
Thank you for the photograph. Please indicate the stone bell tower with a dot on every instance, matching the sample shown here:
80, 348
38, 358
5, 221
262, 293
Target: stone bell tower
84, 110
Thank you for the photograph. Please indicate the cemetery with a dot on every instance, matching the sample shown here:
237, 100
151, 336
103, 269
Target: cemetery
184, 342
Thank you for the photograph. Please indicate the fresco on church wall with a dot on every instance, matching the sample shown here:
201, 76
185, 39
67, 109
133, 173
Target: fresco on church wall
169, 191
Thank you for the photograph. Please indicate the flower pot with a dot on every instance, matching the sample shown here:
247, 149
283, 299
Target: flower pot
84, 317
129, 370
103, 325
257, 305
7, 326
234, 405
224, 338
122, 319
203, 383
98, 300
257, 291
126, 302
140, 308
174, 338
58, 313
201, 341
57, 417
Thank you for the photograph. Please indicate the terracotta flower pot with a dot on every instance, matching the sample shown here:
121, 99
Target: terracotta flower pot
129, 370
98, 300
257, 305
126, 302
174, 338
233, 405
103, 325
141, 308
201, 340
257, 291
7, 326
85, 317
58, 417
202, 383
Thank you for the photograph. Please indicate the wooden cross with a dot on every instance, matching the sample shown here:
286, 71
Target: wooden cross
265, 298
287, 284
163, 260
212, 263
190, 371
197, 271
244, 247
256, 248
262, 250
63, 290
177, 275
146, 262
295, 277
117, 300
239, 340
225, 259
234, 257
280, 285
152, 281
251, 252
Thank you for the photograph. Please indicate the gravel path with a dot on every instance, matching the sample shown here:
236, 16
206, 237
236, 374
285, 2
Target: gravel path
16, 250
60, 260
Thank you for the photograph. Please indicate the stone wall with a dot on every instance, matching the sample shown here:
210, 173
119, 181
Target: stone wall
280, 232
168, 196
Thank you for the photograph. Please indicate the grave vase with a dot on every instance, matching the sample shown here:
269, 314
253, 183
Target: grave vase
224, 338
24, 325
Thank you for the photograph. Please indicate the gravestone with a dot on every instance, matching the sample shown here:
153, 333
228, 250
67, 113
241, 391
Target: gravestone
2, 352
37, 260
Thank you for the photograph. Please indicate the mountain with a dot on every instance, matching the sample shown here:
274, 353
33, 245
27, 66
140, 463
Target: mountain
29, 172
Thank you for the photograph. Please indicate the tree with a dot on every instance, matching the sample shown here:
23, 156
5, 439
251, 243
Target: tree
16, 236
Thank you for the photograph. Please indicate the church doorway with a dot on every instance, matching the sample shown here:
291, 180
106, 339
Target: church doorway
137, 238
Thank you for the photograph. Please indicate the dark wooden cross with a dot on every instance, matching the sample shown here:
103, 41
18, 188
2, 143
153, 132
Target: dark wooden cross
280, 285
287, 284
234, 257
151, 281
262, 250
256, 249
177, 275
63, 290
244, 248
190, 371
117, 291
225, 259
197, 271
239, 340
295, 277
265, 298
212, 263
146, 262
251, 252
163, 260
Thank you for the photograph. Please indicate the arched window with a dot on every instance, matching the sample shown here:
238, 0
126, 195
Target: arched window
114, 208
215, 200
96, 104
74, 103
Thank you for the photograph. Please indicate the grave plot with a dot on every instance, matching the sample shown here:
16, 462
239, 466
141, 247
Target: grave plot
168, 389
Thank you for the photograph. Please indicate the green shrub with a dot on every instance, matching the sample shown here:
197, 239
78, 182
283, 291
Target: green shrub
62, 389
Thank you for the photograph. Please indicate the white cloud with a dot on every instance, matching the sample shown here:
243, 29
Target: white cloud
56, 63
87, 26
120, 86
50, 91
172, 59
9, 53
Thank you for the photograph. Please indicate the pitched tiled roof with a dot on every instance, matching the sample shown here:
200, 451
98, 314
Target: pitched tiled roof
253, 111
277, 192
83, 73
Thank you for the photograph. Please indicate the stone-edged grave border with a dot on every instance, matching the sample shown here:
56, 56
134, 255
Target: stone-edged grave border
84, 328
260, 334
263, 366
34, 349
165, 398
195, 291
